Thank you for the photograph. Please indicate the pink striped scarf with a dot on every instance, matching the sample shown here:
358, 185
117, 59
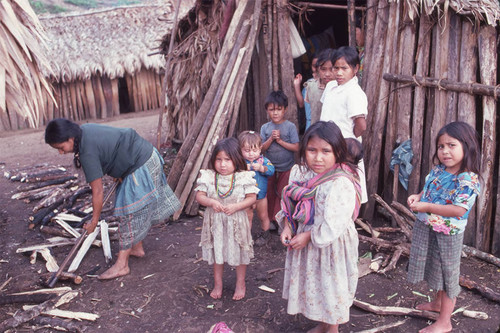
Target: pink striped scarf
297, 200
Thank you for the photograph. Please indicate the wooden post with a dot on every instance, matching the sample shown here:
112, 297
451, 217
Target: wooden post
351, 22
487, 69
467, 72
453, 65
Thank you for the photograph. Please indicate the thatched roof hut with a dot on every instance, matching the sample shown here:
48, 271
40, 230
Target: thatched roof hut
448, 49
22, 58
105, 62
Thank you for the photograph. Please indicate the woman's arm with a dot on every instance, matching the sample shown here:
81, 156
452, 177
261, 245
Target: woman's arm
97, 198
359, 126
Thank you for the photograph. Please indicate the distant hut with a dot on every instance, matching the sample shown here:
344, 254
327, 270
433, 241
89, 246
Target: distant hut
23, 59
105, 61
426, 63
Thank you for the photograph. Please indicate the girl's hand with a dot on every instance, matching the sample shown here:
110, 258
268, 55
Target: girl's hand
301, 240
413, 198
286, 236
297, 80
217, 206
418, 206
230, 209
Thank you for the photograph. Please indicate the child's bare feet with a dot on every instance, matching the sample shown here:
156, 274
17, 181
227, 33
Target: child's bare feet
216, 292
239, 292
430, 306
437, 327
114, 272
137, 250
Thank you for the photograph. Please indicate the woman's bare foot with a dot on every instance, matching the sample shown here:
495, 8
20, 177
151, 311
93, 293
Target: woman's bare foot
114, 272
437, 327
431, 306
216, 292
239, 292
137, 250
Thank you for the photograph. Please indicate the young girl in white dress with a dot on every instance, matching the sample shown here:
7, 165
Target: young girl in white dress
227, 191
319, 207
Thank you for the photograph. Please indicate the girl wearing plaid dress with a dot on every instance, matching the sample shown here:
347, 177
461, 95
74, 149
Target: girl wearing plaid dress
319, 207
227, 191
442, 208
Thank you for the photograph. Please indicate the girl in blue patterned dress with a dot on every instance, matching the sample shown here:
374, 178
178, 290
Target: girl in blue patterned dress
442, 208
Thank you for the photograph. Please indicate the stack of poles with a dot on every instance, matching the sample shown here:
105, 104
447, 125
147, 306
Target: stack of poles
219, 111
438, 51
271, 67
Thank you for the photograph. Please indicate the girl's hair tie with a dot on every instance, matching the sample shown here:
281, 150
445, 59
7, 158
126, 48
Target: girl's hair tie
251, 132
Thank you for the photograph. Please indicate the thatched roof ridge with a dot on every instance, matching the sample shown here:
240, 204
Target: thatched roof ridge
109, 42
482, 10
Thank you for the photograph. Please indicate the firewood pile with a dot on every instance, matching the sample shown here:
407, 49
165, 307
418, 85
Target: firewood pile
62, 205
399, 243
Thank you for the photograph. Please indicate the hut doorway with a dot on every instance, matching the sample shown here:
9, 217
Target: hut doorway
123, 96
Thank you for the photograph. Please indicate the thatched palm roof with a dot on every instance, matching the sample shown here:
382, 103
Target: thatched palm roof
109, 42
482, 10
21, 59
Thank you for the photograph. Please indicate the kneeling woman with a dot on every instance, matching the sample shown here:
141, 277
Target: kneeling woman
142, 199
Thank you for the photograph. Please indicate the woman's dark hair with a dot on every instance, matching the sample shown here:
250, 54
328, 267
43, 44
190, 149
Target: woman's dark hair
469, 138
324, 56
277, 97
61, 130
349, 53
330, 132
232, 148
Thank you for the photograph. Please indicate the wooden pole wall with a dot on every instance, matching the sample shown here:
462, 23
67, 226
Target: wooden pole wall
452, 50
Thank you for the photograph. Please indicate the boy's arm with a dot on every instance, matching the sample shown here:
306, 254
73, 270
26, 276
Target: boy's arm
287, 145
359, 125
298, 92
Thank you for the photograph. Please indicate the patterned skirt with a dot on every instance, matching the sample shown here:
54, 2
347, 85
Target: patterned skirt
134, 227
435, 258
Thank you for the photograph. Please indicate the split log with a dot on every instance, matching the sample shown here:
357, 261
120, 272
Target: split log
389, 245
57, 181
395, 310
56, 323
483, 290
66, 314
394, 259
37, 218
481, 255
57, 291
68, 228
399, 220
22, 317
408, 214
37, 298
36, 194
83, 250
106, 245
475, 314
51, 263
54, 231
53, 242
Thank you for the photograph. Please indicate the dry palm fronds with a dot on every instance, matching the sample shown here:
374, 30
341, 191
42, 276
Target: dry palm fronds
22, 60
193, 63
482, 10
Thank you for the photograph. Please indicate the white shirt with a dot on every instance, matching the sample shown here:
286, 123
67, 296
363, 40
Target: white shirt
341, 104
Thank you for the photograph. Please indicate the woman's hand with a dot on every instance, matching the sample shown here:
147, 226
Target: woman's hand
286, 236
301, 240
90, 226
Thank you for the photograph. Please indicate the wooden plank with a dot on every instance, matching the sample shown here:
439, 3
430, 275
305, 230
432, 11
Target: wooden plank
90, 99
452, 68
487, 70
467, 73
108, 95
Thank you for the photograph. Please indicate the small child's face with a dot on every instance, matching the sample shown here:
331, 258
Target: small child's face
224, 164
343, 71
450, 153
319, 155
314, 70
250, 153
325, 73
276, 113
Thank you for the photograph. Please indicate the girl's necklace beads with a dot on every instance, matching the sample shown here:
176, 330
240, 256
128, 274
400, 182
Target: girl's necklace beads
223, 195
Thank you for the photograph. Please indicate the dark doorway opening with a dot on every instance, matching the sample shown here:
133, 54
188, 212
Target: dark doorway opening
123, 96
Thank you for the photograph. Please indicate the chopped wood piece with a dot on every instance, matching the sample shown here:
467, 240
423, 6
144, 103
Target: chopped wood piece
475, 314
395, 310
402, 223
67, 227
83, 250
481, 255
58, 291
22, 317
66, 314
384, 328
483, 290
36, 298
57, 323
368, 228
51, 264
106, 245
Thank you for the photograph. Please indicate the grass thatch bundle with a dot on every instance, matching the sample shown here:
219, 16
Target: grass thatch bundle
193, 63
22, 59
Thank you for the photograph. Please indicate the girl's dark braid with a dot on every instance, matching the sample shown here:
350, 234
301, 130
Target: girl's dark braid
76, 150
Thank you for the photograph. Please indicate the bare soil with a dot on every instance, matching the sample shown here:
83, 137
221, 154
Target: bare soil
167, 290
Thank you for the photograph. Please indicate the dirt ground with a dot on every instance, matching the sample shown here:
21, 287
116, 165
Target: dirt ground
166, 291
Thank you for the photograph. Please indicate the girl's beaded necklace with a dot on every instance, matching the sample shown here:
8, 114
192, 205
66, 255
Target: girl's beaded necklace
219, 192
